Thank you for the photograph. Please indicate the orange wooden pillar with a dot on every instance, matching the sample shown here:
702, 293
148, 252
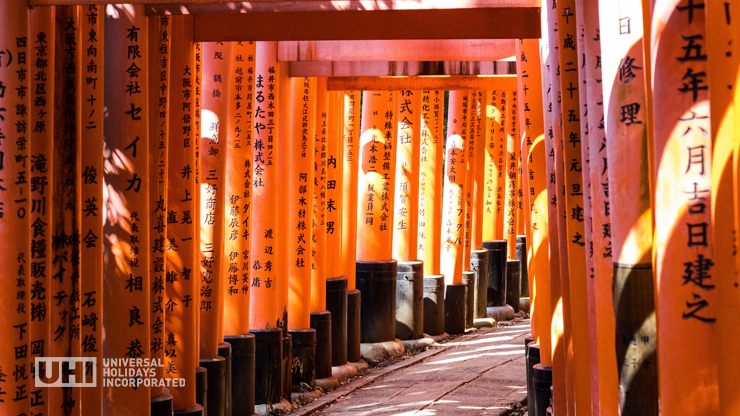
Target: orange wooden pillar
214, 131
334, 183
722, 60
182, 265
687, 307
572, 165
41, 35
238, 206
479, 159
511, 187
303, 96
65, 217
126, 278
405, 215
430, 181
158, 83
15, 211
198, 104
470, 124
493, 122
375, 193
350, 171
551, 92
263, 313
318, 230
91, 186
533, 126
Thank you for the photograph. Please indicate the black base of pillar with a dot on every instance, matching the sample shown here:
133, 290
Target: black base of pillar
521, 255
287, 373
224, 351
196, 410
201, 388
496, 272
216, 395
321, 322
354, 302
469, 282
376, 281
434, 305
532, 357
542, 381
455, 306
336, 303
304, 359
269, 366
513, 282
479, 265
242, 373
410, 300
162, 405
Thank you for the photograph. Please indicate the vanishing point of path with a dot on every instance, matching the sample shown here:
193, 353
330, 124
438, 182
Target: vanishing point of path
481, 373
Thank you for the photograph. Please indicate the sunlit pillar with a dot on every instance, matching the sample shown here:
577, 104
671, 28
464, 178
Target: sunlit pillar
15, 208
511, 162
126, 227
480, 158
430, 181
687, 300
500, 138
469, 113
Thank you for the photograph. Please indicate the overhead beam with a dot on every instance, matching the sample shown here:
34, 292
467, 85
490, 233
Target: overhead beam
482, 23
461, 82
398, 50
408, 68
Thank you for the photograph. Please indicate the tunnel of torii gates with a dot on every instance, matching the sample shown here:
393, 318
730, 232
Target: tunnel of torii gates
251, 197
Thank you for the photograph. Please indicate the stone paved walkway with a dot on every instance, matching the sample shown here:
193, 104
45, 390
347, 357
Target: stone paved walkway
482, 373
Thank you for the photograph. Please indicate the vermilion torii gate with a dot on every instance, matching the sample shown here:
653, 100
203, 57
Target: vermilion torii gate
255, 195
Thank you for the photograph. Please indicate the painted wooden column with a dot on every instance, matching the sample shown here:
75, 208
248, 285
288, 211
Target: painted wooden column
471, 110
628, 127
15, 208
158, 84
318, 230
263, 313
41, 38
562, 324
430, 181
550, 89
334, 183
512, 169
238, 206
66, 212
182, 283
283, 257
501, 143
374, 189
350, 155
300, 203
479, 158
687, 307
453, 214
198, 104
573, 166
493, 124
533, 126
722, 61
91, 187
408, 148
214, 132
127, 223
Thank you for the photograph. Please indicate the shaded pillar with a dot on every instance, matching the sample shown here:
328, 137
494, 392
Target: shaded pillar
687, 307
126, 278
181, 288
16, 209
469, 118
